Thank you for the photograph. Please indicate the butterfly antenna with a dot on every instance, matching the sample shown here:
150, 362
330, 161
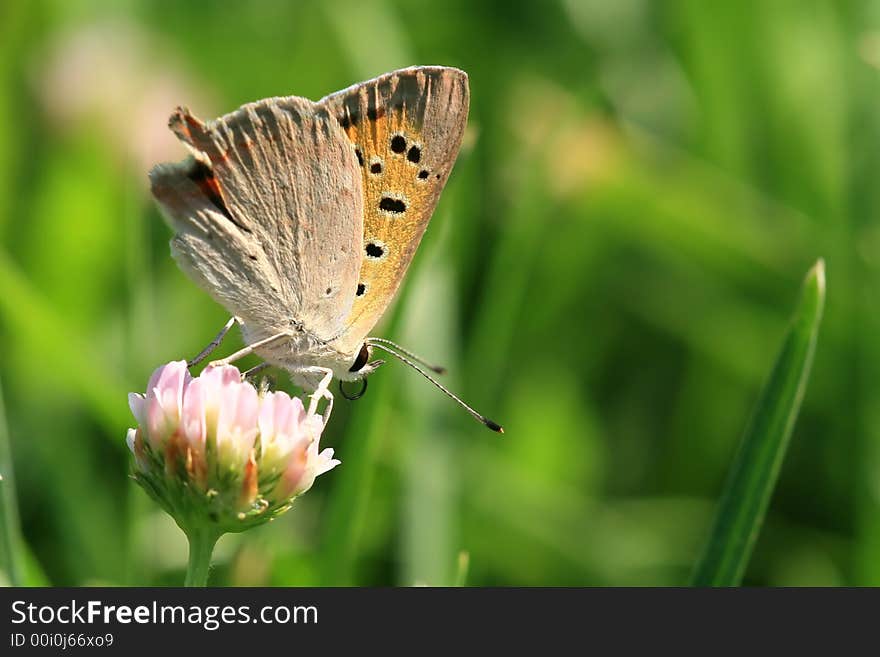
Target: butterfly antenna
437, 369
494, 426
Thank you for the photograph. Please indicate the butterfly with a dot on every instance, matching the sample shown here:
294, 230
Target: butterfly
301, 218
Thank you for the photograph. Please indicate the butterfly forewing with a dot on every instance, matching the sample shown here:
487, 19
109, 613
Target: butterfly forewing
284, 177
405, 129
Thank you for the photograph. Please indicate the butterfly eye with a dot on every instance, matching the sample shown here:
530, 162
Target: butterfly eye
361, 360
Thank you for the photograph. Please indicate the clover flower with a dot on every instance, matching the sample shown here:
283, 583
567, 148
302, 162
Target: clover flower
217, 455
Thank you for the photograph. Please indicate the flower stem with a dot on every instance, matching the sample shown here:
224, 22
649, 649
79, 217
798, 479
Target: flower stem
201, 547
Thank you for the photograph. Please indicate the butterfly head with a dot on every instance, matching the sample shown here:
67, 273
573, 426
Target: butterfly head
362, 366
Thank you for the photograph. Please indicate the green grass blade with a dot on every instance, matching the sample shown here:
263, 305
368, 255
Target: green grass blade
11, 542
464, 562
756, 467
346, 513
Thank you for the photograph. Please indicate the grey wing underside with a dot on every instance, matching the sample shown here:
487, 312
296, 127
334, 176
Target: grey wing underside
268, 213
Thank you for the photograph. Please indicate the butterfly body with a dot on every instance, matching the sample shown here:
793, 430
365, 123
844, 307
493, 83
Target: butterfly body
301, 218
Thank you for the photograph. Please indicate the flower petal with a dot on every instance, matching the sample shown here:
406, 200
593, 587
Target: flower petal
192, 419
137, 403
129, 439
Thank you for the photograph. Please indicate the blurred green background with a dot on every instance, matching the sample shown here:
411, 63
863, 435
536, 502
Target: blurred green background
609, 274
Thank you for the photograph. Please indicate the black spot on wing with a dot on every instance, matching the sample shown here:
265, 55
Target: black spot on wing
393, 205
398, 143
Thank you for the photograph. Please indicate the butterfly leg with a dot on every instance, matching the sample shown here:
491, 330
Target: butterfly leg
254, 370
204, 353
249, 349
322, 390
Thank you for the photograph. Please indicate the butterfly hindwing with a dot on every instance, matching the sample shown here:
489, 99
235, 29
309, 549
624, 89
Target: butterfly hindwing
287, 206
207, 244
406, 128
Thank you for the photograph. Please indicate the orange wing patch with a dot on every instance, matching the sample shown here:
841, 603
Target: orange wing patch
406, 129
